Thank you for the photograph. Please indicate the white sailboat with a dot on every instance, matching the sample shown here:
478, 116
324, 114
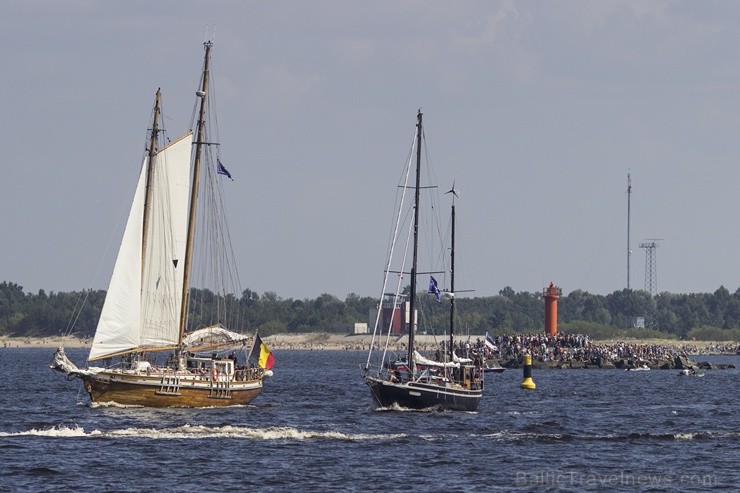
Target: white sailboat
146, 310
413, 381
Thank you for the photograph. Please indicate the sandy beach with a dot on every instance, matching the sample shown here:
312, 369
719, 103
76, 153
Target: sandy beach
317, 341
43, 342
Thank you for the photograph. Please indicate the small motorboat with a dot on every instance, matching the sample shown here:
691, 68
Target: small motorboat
691, 372
493, 369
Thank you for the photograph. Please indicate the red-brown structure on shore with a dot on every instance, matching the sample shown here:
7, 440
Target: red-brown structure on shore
551, 295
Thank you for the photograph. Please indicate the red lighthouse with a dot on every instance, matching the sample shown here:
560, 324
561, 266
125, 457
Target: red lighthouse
551, 295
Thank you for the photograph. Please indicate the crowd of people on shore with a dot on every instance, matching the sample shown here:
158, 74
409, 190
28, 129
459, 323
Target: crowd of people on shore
565, 348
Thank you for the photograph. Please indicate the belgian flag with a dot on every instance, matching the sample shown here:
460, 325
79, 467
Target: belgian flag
262, 354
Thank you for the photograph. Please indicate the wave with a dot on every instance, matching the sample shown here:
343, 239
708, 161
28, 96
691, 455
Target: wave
202, 432
62, 431
433, 409
97, 405
287, 433
505, 436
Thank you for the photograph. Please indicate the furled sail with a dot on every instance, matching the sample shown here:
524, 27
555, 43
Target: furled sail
144, 297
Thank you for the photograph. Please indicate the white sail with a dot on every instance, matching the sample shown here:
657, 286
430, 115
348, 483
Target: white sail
117, 327
142, 308
161, 290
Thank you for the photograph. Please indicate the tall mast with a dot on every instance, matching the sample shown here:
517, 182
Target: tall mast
629, 250
416, 242
452, 282
200, 132
452, 276
153, 148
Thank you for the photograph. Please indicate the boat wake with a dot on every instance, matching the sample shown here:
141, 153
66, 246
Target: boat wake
61, 431
395, 407
96, 405
504, 436
202, 432
290, 434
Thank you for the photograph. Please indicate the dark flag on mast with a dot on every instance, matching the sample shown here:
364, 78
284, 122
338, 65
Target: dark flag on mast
221, 169
433, 287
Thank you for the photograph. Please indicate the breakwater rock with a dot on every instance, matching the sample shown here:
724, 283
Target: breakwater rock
676, 363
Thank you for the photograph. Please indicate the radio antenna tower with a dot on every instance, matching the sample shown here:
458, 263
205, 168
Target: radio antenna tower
629, 250
651, 271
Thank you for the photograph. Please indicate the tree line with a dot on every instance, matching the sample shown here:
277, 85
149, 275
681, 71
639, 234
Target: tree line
713, 316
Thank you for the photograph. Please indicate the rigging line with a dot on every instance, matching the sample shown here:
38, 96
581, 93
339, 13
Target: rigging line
443, 257
220, 264
434, 204
115, 228
391, 249
227, 259
76, 312
226, 232
401, 190
212, 113
162, 129
461, 245
178, 123
196, 103
217, 246
431, 238
397, 295
407, 224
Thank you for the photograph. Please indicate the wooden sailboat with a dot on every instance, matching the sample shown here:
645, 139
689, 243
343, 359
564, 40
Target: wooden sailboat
414, 381
145, 314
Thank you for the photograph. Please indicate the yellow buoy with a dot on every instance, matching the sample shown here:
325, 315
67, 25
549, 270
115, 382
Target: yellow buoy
528, 383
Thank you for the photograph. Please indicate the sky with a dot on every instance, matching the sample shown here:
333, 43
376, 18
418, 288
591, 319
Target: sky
536, 110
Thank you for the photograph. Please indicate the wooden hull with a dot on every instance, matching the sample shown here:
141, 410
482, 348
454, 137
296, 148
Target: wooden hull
415, 395
156, 391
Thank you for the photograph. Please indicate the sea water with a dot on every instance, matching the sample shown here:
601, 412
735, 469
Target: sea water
314, 429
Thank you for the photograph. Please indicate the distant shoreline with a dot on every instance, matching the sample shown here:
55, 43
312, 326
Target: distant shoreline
43, 342
322, 341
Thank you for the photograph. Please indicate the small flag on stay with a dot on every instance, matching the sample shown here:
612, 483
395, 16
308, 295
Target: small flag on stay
489, 342
221, 169
433, 287
262, 354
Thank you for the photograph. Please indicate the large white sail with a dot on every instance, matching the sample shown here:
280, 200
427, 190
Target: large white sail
161, 290
142, 308
118, 325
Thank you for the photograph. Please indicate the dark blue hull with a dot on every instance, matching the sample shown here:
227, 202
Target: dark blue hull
415, 395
